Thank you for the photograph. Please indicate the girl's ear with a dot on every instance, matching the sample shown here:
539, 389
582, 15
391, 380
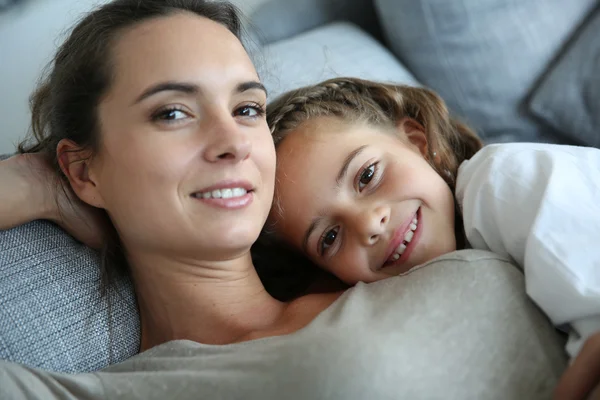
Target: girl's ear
415, 133
75, 164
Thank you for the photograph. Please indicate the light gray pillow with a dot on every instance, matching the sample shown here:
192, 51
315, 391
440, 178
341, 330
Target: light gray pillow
52, 315
337, 49
276, 20
569, 96
482, 56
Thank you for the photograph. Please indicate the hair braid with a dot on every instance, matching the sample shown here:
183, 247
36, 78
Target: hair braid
379, 104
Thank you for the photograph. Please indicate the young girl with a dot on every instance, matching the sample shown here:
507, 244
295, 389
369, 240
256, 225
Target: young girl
372, 181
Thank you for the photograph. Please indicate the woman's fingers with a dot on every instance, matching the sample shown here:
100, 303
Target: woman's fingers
581, 379
25, 190
84, 222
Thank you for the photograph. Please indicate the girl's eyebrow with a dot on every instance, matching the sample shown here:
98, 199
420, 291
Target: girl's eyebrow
344, 170
309, 232
338, 181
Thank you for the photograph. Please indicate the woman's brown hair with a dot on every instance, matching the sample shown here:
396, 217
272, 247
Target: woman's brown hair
65, 104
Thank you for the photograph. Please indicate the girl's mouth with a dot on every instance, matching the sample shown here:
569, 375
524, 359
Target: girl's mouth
403, 250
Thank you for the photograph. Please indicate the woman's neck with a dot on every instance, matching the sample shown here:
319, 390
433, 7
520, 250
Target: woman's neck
212, 303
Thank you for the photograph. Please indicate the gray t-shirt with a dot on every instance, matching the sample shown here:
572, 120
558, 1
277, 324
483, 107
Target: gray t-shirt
461, 327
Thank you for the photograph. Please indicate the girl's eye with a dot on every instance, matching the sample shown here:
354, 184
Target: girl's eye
366, 176
327, 240
170, 115
250, 111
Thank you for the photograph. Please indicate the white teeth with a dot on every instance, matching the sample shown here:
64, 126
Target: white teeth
238, 192
407, 239
222, 193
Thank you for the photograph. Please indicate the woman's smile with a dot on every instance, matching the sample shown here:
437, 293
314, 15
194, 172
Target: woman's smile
229, 195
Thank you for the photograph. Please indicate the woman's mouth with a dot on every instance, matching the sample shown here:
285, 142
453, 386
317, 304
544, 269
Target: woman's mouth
228, 193
232, 197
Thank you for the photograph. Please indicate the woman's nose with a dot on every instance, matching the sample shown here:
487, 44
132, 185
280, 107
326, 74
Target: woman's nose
227, 142
372, 224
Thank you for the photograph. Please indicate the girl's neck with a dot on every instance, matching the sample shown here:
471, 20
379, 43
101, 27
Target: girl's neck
212, 303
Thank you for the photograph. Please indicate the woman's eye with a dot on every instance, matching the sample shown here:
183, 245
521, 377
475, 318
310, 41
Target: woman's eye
327, 240
170, 115
250, 111
366, 176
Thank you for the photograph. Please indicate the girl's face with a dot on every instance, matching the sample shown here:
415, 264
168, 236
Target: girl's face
186, 163
359, 201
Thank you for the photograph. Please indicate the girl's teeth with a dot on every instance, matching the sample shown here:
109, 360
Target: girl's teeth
407, 239
222, 194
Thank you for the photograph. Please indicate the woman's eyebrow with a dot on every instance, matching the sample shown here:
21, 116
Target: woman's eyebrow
184, 87
244, 86
193, 89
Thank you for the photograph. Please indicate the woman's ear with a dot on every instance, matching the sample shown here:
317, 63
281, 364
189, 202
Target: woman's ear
415, 133
75, 164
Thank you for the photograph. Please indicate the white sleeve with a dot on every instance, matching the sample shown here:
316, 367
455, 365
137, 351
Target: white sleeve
540, 205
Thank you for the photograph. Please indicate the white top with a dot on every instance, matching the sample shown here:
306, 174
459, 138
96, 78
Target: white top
540, 205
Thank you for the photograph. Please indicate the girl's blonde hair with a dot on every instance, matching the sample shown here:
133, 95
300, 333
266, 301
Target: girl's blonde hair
449, 141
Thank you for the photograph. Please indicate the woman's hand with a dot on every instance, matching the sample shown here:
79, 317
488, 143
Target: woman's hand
581, 381
31, 190
25, 190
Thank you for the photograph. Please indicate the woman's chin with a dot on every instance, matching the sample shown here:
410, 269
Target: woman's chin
230, 243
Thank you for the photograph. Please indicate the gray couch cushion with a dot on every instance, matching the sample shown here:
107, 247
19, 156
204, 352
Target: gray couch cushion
277, 20
337, 49
52, 315
482, 56
569, 96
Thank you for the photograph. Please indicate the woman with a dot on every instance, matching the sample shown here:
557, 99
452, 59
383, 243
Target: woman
154, 113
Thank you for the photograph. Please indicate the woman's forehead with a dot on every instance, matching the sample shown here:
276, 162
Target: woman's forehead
184, 45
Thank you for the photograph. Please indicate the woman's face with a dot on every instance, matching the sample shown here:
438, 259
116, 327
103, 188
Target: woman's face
186, 162
359, 201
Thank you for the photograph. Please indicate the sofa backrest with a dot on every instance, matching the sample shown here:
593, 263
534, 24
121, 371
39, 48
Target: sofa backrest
276, 20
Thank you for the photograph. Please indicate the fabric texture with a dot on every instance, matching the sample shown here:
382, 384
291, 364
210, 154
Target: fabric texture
52, 315
277, 20
460, 327
483, 57
518, 200
338, 49
569, 96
